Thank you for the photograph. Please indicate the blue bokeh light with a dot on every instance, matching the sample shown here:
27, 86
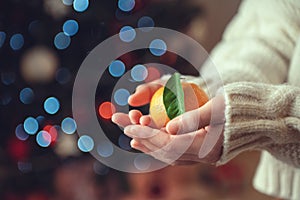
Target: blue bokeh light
5, 99
26, 96
121, 97
68, 2
31, 125
100, 169
63, 75
43, 138
127, 34
139, 73
117, 68
16, 41
51, 105
2, 38
20, 133
40, 119
8, 78
24, 167
85, 143
142, 162
70, 27
80, 5
146, 23
105, 149
62, 41
68, 125
158, 47
126, 5
124, 142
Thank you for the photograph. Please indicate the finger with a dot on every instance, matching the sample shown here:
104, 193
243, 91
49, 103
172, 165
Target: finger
143, 94
190, 121
210, 113
154, 136
139, 146
121, 119
146, 120
134, 116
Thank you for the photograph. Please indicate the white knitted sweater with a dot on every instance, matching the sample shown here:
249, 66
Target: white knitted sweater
260, 67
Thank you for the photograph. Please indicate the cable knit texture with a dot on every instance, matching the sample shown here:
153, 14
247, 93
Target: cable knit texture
260, 116
258, 60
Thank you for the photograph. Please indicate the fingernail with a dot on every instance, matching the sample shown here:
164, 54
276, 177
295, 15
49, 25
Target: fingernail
113, 118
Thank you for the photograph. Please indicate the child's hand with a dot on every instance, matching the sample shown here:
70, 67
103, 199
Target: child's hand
187, 139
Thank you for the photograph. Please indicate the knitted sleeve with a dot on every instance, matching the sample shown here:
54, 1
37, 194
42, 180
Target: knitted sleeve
262, 116
256, 46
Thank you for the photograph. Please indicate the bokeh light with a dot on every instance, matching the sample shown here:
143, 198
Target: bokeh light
39, 64
85, 143
5, 99
26, 96
31, 125
127, 34
68, 125
146, 23
16, 41
106, 110
24, 167
63, 75
158, 47
40, 119
116, 68
2, 38
105, 149
20, 133
62, 41
67, 2
70, 27
139, 73
8, 78
80, 5
121, 97
153, 74
51, 105
142, 162
126, 5
124, 142
53, 132
100, 169
43, 138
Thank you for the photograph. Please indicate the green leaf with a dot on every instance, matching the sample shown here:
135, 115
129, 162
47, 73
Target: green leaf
173, 97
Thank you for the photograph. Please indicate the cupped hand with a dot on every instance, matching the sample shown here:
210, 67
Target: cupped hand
196, 136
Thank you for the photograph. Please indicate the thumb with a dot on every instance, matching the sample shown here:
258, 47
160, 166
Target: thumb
190, 121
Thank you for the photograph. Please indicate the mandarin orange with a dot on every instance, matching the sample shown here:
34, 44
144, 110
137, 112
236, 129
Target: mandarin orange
194, 97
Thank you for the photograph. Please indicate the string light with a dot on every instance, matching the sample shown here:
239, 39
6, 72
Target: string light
127, 34
139, 73
126, 5
51, 105
85, 143
16, 41
158, 47
121, 97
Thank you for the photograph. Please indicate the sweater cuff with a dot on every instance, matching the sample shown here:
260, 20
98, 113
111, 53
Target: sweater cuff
254, 118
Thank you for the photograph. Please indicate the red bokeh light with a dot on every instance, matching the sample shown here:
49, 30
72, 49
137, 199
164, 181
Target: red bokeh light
106, 110
52, 132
